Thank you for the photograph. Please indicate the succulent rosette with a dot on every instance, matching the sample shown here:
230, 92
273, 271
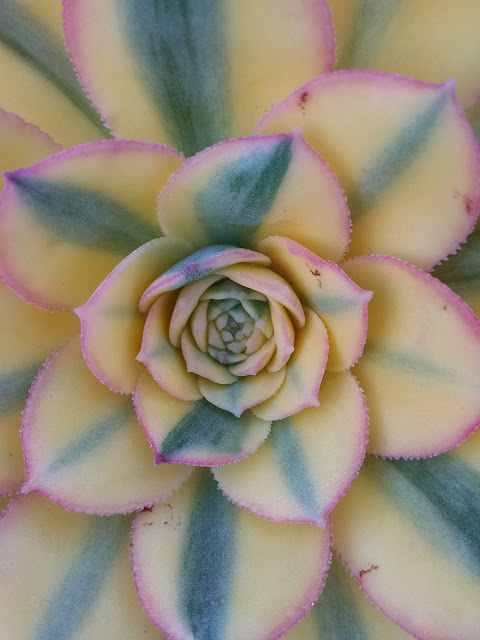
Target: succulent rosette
222, 322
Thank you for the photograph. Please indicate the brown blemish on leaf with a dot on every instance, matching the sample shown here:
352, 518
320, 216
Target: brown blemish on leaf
444, 307
469, 204
146, 509
302, 101
372, 567
316, 273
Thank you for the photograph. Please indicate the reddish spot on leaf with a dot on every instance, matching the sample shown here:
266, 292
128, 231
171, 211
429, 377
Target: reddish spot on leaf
372, 567
469, 206
146, 509
303, 100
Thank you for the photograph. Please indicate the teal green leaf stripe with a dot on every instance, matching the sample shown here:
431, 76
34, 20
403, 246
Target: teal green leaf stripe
395, 158
180, 49
30, 41
440, 498
236, 200
206, 427
96, 435
15, 385
370, 28
81, 217
290, 458
335, 615
82, 584
332, 304
416, 365
207, 561
461, 272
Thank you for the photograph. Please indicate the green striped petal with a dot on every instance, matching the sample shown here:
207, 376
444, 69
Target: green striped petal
308, 461
241, 191
38, 79
412, 38
461, 272
66, 576
404, 154
27, 337
83, 446
206, 569
408, 531
194, 72
420, 368
78, 214
196, 433
342, 612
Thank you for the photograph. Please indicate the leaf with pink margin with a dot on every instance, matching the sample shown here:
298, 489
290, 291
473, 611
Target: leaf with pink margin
342, 612
83, 446
402, 150
304, 372
187, 301
67, 575
198, 265
165, 362
401, 37
241, 191
196, 73
420, 368
193, 567
78, 213
196, 433
22, 143
408, 532
308, 461
245, 393
266, 281
112, 324
339, 302
27, 337
38, 79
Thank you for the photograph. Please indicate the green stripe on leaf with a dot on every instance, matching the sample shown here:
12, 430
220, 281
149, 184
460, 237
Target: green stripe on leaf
33, 44
238, 198
82, 217
180, 50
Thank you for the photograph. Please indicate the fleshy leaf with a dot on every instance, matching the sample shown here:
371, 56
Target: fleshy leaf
193, 567
304, 372
339, 302
27, 337
408, 531
308, 461
78, 214
196, 433
198, 265
112, 324
400, 36
165, 362
420, 368
21, 143
83, 446
342, 612
403, 152
67, 575
245, 393
197, 72
38, 79
241, 191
